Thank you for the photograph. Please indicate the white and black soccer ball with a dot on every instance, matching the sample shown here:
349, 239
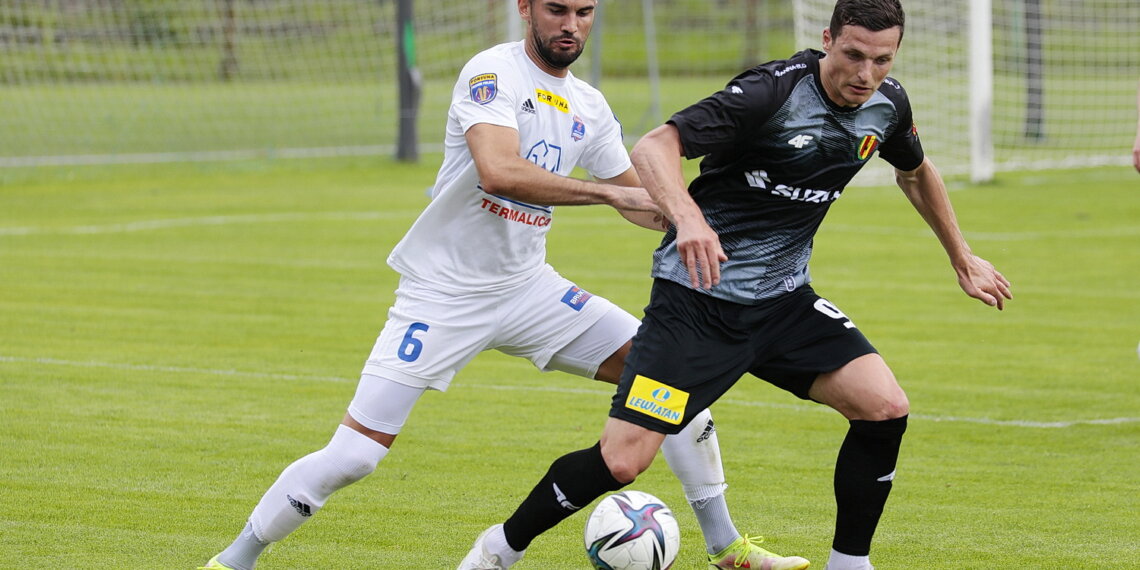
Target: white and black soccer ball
632, 530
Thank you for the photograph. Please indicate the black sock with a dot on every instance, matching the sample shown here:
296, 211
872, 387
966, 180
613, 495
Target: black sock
572, 482
863, 474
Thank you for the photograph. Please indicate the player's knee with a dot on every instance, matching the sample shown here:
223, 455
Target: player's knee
883, 406
355, 456
891, 408
624, 466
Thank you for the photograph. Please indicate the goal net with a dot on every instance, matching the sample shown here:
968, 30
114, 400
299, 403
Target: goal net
1063, 80
129, 81
95, 81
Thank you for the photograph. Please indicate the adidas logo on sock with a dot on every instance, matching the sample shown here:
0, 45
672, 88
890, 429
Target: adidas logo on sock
709, 430
302, 509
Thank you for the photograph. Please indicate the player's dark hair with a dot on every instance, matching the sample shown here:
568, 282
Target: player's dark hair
875, 15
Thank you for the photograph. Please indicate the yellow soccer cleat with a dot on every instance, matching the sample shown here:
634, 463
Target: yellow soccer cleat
745, 552
213, 564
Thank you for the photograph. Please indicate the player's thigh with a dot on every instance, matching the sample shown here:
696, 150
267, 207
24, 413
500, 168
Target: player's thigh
429, 336
686, 354
547, 315
383, 405
863, 389
597, 352
813, 350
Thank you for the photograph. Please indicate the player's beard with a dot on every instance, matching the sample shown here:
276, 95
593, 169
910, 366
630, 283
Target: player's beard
555, 58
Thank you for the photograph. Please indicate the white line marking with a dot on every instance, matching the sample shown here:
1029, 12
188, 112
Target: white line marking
208, 156
1120, 231
173, 369
151, 225
555, 389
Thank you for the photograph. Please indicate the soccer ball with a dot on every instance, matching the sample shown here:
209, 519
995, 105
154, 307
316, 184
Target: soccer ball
632, 530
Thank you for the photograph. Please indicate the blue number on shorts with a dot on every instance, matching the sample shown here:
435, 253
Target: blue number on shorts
825, 307
410, 349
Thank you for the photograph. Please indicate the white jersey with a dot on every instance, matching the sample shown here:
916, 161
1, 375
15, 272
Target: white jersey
467, 240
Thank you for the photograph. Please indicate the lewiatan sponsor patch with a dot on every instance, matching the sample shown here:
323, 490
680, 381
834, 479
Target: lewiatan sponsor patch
657, 400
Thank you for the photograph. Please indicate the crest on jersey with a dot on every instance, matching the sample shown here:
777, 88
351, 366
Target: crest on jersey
578, 130
868, 146
484, 88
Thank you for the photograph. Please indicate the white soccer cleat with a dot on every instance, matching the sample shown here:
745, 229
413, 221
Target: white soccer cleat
480, 559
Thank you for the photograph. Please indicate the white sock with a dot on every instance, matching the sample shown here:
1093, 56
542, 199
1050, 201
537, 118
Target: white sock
841, 561
302, 489
243, 553
495, 542
694, 457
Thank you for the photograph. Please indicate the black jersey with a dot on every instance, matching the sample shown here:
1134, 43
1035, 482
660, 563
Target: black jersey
777, 153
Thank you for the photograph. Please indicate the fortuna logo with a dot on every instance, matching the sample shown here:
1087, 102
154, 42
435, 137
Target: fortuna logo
800, 141
528, 107
760, 179
301, 508
556, 101
561, 497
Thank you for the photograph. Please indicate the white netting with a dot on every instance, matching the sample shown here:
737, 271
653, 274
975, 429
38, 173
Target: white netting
1089, 64
133, 79
124, 80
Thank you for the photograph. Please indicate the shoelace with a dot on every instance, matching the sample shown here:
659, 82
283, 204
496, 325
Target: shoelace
741, 550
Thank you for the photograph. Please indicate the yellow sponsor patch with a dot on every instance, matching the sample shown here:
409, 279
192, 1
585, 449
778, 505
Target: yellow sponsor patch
657, 400
553, 100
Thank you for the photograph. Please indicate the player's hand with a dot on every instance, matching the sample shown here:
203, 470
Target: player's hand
700, 249
980, 280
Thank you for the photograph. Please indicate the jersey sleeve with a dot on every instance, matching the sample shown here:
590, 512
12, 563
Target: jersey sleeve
721, 120
486, 92
902, 149
607, 157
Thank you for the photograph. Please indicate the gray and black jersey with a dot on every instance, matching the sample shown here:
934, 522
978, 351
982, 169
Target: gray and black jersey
777, 152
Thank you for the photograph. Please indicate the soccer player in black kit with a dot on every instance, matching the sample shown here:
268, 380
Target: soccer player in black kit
731, 291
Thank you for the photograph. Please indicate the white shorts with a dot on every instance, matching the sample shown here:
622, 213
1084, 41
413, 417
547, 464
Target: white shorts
430, 336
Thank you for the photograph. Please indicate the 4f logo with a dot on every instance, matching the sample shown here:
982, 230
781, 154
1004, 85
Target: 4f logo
757, 178
800, 141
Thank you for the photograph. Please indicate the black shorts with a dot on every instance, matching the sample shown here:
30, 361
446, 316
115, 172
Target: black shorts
691, 348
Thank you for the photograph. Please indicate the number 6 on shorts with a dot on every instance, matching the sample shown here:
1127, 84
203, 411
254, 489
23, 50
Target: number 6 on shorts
411, 347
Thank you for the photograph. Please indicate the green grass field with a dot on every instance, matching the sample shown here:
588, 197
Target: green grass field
172, 336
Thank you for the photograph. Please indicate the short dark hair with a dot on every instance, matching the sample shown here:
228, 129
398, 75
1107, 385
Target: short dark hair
875, 15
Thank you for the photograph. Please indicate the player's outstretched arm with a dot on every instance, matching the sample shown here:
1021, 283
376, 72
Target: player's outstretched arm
657, 158
503, 172
925, 189
652, 220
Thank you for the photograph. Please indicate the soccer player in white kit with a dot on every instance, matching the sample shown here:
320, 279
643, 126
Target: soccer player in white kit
474, 277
